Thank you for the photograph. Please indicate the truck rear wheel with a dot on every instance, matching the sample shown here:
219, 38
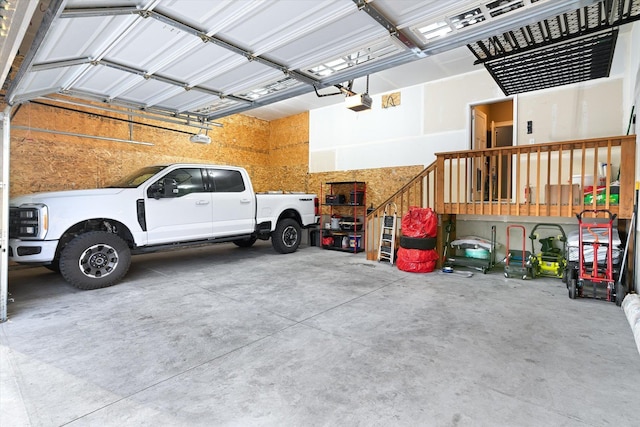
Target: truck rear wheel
95, 260
286, 237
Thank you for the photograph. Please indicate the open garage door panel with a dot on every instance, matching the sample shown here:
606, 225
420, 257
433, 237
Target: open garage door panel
202, 60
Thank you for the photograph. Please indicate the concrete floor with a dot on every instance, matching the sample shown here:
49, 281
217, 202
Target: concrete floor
224, 336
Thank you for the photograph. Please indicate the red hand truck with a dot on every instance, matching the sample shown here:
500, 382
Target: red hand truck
595, 234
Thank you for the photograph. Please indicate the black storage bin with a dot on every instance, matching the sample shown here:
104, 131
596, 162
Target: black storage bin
335, 199
349, 223
314, 237
357, 197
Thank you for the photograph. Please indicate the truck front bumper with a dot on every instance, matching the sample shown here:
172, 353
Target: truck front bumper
32, 251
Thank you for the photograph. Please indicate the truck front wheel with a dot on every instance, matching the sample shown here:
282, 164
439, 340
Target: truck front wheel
95, 260
286, 237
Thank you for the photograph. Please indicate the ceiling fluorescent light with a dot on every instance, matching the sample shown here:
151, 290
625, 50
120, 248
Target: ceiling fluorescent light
200, 138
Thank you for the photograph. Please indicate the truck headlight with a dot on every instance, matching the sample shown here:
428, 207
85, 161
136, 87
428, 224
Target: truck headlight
28, 231
28, 221
28, 214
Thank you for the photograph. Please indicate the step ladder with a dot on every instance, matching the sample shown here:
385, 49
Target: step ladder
387, 245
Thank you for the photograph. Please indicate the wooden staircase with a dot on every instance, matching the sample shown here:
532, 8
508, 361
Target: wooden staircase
542, 180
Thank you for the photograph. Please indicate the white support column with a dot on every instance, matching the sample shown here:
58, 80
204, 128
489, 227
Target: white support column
4, 214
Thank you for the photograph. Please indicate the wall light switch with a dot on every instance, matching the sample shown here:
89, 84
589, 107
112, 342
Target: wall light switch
529, 127
532, 140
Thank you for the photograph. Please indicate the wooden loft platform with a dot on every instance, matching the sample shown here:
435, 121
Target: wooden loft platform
553, 179
558, 179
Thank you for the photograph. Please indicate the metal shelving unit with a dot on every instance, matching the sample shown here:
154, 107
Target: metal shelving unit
344, 200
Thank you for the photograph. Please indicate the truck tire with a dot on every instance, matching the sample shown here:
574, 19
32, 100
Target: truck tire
286, 237
573, 291
245, 243
620, 293
421, 243
94, 260
54, 266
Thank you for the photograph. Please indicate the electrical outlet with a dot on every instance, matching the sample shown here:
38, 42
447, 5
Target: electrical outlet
532, 140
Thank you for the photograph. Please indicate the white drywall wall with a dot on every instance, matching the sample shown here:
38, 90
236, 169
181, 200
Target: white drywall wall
583, 110
341, 139
336, 126
428, 120
433, 118
446, 101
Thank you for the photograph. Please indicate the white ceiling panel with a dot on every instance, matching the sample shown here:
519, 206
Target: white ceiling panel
182, 100
167, 97
244, 76
203, 63
97, 33
106, 81
136, 50
212, 15
372, 51
407, 12
330, 42
435, 67
144, 91
269, 89
43, 82
201, 60
259, 33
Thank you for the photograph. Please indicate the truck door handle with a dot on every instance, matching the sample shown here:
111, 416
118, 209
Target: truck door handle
202, 202
245, 200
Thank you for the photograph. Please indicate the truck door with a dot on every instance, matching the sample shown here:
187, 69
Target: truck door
234, 203
182, 214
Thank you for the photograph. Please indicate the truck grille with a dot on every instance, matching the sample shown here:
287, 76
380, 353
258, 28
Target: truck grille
24, 222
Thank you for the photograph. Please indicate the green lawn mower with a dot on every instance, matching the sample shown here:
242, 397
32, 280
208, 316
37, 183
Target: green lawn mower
519, 263
551, 257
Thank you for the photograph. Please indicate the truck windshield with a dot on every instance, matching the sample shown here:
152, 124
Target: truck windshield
137, 178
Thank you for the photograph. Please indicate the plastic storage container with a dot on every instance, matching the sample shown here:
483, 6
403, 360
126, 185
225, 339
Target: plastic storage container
355, 242
357, 197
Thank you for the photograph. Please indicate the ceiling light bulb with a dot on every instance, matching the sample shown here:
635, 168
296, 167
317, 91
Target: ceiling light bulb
200, 138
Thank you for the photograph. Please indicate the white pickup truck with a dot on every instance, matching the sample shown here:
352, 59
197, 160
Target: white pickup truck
90, 235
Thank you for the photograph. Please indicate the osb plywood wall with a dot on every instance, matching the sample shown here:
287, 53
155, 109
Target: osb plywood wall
47, 161
289, 165
288, 156
276, 153
380, 183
